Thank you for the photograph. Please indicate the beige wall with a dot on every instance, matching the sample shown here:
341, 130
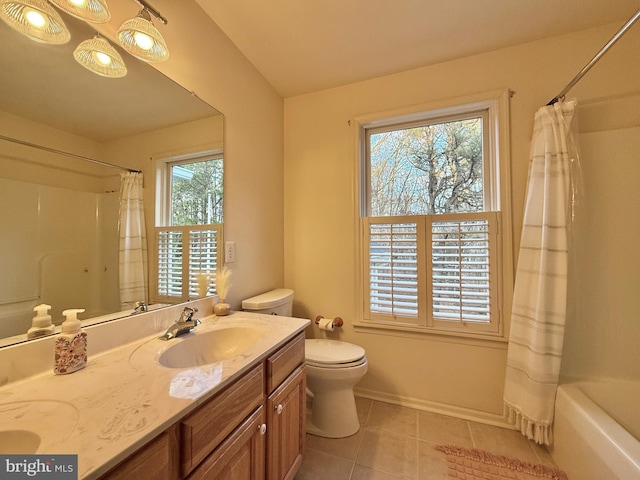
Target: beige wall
320, 211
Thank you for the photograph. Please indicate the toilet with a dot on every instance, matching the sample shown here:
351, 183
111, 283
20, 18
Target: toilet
333, 369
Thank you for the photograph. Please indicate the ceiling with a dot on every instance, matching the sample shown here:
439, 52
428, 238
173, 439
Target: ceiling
302, 46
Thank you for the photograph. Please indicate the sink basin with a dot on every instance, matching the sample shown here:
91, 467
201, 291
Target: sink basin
18, 442
203, 348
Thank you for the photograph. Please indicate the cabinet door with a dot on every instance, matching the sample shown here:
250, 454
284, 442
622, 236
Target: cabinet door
240, 456
286, 426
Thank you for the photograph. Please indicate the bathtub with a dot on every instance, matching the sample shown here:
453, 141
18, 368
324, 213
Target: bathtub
597, 430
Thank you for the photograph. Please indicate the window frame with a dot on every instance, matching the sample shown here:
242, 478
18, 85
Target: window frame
496, 174
163, 224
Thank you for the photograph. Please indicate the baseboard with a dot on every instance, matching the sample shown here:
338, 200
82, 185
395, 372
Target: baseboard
435, 407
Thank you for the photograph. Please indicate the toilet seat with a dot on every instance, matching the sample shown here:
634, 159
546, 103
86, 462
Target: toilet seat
322, 353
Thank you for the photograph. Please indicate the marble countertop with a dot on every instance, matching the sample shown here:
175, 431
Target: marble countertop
124, 397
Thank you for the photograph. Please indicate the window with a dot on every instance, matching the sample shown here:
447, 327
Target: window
189, 223
433, 252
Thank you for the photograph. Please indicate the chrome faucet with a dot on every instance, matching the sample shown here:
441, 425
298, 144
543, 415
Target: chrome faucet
140, 307
185, 324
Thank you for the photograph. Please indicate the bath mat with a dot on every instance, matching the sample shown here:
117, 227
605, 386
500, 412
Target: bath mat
472, 464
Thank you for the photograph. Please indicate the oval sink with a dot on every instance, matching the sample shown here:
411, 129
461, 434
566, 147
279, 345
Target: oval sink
18, 442
209, 347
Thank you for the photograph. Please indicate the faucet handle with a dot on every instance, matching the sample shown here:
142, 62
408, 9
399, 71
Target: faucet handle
187, 313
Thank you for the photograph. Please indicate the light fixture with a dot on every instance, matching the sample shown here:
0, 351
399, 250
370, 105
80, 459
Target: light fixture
99, 56
36, 19
141, 38
96, 11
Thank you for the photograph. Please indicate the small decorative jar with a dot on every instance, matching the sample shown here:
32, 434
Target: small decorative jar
221, 308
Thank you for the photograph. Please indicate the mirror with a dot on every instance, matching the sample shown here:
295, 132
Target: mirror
59, 213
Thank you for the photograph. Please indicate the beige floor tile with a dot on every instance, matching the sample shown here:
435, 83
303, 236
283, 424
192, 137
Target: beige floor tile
502, 441
322, 466
394, 418
442, 429
366, 473
363, 406
388, 452
340, 447
432, 465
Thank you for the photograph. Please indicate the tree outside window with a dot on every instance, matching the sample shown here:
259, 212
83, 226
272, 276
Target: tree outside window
196, 192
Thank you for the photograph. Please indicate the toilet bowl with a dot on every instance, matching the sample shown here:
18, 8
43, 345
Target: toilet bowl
333, 368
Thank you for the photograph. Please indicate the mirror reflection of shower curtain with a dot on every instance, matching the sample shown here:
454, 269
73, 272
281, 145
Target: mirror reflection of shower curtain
540, 292
133, 242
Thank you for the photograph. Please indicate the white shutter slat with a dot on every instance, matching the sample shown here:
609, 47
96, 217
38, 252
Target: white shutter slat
197, 245
461, 265
393, 268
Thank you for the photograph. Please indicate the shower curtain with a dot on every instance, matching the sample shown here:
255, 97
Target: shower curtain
133, 242
540, 295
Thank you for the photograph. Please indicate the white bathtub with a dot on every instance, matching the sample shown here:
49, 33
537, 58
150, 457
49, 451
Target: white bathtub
597, 430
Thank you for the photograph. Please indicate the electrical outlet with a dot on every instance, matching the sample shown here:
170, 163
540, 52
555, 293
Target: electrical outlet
229, 252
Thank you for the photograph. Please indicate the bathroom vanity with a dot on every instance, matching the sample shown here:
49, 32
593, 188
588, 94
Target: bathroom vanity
141, 411
225, 437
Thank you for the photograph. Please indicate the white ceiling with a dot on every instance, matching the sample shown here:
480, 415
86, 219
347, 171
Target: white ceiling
301, 46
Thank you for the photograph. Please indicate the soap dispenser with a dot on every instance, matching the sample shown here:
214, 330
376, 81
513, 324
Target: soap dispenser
41, 325
71, 344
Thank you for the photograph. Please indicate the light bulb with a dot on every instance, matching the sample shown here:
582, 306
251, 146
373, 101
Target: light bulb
35, 18
102, 58
143, 40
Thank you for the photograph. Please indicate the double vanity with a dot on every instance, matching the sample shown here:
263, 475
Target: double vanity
224, 401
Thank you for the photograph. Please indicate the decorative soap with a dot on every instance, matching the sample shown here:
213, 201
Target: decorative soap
70, 353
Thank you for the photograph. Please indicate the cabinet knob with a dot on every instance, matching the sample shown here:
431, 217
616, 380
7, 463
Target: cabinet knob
262, 428
279, 409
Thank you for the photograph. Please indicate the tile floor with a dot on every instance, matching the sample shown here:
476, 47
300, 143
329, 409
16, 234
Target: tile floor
397, 443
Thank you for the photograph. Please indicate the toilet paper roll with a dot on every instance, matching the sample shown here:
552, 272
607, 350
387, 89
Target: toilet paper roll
326, 324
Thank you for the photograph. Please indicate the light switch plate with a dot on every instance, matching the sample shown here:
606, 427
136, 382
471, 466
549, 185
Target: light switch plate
229, 251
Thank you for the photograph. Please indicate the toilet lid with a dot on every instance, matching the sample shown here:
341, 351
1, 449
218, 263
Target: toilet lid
328, 352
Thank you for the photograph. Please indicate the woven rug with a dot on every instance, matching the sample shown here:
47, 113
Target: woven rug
473, 464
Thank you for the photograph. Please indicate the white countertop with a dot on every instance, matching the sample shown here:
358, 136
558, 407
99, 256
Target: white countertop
124, 397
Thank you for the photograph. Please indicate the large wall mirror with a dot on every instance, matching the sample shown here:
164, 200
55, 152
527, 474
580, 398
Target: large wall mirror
59, 213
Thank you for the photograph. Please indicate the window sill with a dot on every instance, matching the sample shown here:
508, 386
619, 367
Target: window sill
478, 339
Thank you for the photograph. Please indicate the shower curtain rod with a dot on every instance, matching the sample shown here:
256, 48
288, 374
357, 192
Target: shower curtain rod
67, 154
593, 61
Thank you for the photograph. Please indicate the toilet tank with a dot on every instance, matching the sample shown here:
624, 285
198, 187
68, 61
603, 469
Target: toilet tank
274, 302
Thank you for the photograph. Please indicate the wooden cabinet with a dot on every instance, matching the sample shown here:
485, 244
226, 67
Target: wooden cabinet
158, 460
251, 430
206, 428
286, 421
240, 456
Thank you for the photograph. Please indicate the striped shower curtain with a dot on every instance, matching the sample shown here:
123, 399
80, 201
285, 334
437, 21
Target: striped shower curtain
540, 295
133, 242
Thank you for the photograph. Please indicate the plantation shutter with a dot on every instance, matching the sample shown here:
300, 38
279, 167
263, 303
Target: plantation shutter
394, 268
182, 252
463, 269
203, 256
169, 248
432, 270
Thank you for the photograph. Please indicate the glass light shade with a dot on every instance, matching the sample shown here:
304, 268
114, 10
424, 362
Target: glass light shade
99, 56
141, 38
96, 11
36, 19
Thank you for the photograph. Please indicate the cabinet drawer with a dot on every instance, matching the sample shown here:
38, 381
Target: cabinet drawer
202, 431
284, 361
